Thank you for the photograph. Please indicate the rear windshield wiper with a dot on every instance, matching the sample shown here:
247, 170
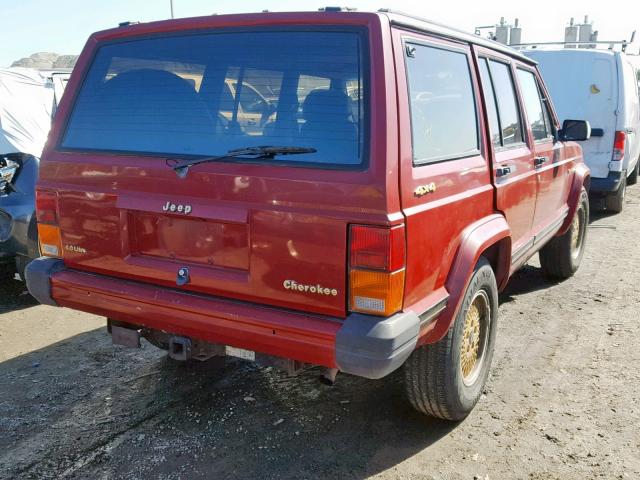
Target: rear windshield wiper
267, 152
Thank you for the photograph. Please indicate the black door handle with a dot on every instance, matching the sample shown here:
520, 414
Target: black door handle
539, 161
503, 171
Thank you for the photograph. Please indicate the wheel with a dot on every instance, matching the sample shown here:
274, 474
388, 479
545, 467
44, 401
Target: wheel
633, 178
561, 257
446, 379
614, 202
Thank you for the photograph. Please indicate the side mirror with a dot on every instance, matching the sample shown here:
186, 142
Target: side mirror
575, 130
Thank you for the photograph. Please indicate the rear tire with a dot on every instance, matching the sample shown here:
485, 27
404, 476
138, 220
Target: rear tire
614, 202
561, 256
633, 178
446, 379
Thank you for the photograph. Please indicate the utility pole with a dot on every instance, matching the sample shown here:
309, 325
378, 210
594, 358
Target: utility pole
171, 4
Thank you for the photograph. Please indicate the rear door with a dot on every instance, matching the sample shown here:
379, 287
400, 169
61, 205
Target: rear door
632, 110
584, 86
513, 166
445, 173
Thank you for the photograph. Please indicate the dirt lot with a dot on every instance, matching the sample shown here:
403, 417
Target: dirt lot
563, 401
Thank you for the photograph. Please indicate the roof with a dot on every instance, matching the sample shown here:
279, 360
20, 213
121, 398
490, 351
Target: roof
397, 18
421, 24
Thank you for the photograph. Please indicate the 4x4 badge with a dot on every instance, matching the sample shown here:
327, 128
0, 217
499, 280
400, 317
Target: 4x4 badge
424, 189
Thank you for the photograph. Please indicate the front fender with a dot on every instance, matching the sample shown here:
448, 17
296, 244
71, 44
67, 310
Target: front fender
581, 177
476, 239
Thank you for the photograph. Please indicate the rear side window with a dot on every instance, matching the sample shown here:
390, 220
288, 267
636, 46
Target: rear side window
510, 124
534, 105
205, 94
443, 111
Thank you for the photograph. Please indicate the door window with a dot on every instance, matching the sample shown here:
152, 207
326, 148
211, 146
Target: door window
509, 114
443, 111
490, 101
534, 105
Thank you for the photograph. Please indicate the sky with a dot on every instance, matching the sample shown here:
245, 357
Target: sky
62, 26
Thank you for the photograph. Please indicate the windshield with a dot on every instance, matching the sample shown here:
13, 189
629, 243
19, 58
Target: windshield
206, 94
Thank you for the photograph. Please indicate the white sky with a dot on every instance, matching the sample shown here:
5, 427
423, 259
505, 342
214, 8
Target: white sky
62, 26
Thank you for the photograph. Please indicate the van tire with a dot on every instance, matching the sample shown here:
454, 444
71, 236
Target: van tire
633, 178
614, 202
433, 375
561, 256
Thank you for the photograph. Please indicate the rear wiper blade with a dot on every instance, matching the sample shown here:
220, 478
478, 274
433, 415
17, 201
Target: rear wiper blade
181, 167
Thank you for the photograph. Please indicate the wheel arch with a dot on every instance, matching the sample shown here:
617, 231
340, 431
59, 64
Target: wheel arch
581, 178
489, 237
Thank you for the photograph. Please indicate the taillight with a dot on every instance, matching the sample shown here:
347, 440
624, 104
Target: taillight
376, 269
618, 146
48, 229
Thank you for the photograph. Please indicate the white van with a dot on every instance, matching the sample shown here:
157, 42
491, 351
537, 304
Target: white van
600, 86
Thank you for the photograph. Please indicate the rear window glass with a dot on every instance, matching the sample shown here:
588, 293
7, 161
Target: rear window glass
443, 109
206, 94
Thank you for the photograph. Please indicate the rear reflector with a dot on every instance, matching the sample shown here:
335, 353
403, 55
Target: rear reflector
50, 242
618, 146
379, 293
377, 248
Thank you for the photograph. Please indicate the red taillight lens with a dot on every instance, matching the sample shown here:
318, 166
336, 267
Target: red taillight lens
376, 273
47, 206
377, 248
618, 146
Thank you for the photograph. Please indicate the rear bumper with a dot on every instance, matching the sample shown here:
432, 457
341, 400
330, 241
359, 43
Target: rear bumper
610, 183
362, 345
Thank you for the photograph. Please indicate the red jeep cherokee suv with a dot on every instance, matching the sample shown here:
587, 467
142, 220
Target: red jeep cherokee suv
344, 189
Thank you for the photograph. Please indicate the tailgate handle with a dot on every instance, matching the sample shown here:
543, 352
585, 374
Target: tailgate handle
539, 161
503, 171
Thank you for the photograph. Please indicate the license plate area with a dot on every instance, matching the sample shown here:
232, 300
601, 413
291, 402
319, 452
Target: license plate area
197, 241
240, 353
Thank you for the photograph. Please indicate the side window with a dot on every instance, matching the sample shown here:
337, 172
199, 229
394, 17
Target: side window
490, 101
443, 110
510, 123
536, 114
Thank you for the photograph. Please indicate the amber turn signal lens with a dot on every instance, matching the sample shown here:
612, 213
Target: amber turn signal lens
50, 241
378, 293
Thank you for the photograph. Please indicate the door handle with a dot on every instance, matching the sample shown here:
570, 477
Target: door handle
504, 171
539, 161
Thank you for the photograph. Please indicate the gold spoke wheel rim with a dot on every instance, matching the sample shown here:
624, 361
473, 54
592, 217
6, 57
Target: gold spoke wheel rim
577, 232
474, 337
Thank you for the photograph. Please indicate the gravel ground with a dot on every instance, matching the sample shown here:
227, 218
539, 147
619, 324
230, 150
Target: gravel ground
563, 401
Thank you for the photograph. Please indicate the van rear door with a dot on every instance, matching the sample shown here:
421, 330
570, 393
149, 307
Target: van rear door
584, 86
268, 229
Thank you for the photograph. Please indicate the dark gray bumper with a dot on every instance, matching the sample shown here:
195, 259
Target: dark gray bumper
611, 183
38, 276
373, 347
